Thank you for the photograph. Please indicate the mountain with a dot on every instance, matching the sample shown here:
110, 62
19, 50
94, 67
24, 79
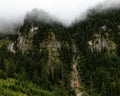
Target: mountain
39, 16
97, 41
38, 54
47, 59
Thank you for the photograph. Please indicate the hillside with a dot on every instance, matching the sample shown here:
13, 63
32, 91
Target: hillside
97, 40
47, 59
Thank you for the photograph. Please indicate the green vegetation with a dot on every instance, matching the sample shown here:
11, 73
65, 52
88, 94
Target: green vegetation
43, 63
4, 42
99, 70
13, 87
44, 68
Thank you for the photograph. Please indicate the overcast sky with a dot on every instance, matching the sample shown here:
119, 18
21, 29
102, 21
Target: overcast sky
67, 10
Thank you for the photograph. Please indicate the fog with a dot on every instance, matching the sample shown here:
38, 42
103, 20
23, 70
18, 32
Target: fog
12, 11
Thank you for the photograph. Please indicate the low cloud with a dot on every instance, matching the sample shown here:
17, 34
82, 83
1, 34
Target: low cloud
13, 12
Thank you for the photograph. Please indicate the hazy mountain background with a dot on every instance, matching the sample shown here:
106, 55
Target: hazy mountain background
42, 56
14, 12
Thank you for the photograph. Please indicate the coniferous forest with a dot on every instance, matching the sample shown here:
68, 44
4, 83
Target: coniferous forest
44, 56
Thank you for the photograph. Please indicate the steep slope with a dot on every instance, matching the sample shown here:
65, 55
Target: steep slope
47, 43
80, 60
97, 41
42, 54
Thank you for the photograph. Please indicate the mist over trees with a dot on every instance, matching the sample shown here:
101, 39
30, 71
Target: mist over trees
45, 66
40, 16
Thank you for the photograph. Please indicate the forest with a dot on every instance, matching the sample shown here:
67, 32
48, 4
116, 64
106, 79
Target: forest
38, 61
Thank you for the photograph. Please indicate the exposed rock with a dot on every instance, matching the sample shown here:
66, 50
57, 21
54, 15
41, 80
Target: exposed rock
52, 45
119, 27
104, 27
90, 43
11, 48
33, 29
20, 40
25, 42
99, 43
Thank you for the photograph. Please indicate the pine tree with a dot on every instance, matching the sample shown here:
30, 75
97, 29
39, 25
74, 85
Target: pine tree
103, 90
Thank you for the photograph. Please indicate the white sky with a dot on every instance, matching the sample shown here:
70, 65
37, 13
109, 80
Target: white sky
67, 10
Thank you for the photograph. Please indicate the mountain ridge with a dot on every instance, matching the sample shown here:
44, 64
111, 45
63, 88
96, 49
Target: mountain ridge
48, 53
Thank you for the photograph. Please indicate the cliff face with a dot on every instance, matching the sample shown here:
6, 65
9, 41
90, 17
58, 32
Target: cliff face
99, 43
25, 42
59, 58
46, 41
49, 48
